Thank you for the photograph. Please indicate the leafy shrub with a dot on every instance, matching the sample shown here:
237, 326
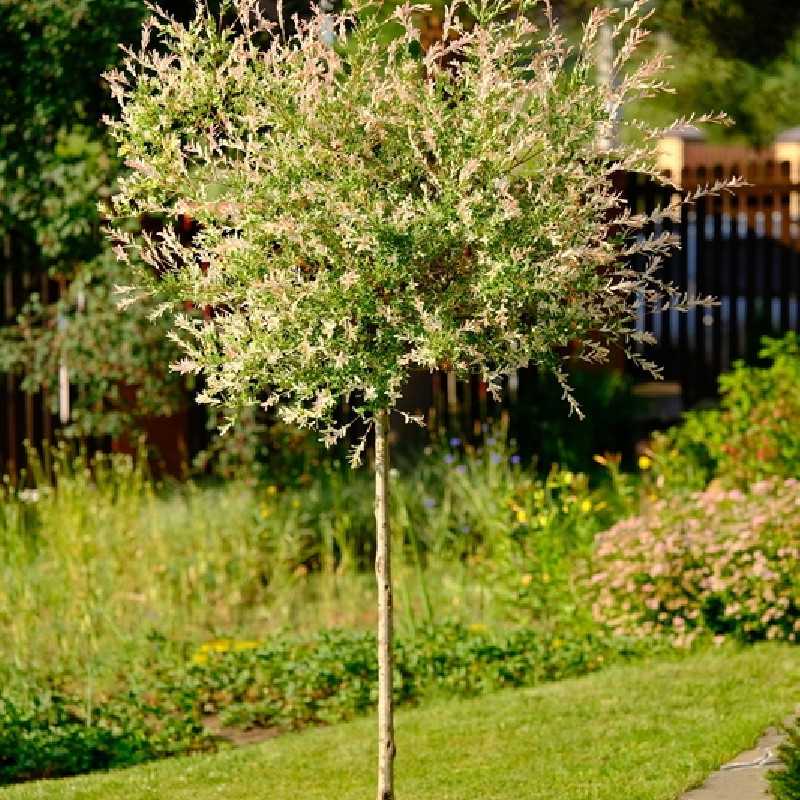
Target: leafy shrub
118, 360
722, 561
50, 736
754, 434
785, 782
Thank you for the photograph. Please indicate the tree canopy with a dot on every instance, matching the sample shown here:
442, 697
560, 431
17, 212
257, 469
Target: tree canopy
369, 208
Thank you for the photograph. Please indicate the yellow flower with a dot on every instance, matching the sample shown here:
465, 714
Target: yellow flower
296, 503
245, 645
272, 489
526, 579
222, 646
601, 460
522, 516
477, 627
586, 506
645, 462
545, 578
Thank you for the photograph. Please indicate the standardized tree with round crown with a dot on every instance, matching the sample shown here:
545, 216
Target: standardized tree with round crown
365, 207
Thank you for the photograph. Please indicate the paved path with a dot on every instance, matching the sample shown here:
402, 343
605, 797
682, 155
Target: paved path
744, 783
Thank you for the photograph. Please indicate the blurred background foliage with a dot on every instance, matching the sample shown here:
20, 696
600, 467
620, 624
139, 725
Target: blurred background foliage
56, 163
737, 56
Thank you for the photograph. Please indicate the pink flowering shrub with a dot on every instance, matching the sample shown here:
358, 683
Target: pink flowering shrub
722, 562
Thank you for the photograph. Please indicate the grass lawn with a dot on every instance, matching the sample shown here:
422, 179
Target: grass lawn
640, 732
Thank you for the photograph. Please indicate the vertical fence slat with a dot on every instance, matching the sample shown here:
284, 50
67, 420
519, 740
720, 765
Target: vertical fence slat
784, 247
717, 289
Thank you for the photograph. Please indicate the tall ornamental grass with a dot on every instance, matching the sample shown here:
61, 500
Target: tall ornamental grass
100, 560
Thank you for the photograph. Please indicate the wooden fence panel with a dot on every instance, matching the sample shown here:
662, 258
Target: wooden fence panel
744, 250
24, 417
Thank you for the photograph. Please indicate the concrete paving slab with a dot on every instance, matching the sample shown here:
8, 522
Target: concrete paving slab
744, 778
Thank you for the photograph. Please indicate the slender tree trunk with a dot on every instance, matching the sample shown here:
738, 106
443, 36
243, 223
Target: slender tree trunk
605, 68
383, 575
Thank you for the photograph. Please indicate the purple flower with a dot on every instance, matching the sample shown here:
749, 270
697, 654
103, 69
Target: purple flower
495, 458
491, 441
455, 442
461, 469
515, 459
429, 502
449, 458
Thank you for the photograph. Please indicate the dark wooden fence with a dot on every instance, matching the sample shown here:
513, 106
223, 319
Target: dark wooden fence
24, 416
743, 249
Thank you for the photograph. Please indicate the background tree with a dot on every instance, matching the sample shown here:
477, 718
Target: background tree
369, 208
740, 56
55, 160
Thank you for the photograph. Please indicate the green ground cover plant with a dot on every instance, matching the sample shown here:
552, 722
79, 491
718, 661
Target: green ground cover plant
645, 731
231, 690
48, 735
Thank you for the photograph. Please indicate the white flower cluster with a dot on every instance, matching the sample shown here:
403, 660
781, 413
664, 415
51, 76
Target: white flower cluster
368, 208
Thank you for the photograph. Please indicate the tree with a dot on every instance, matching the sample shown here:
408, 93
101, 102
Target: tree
367, 208
55, 160
737, 55
741, 56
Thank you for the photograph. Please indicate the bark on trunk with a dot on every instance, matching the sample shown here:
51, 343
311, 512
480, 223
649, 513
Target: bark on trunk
605, 69
383, 575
